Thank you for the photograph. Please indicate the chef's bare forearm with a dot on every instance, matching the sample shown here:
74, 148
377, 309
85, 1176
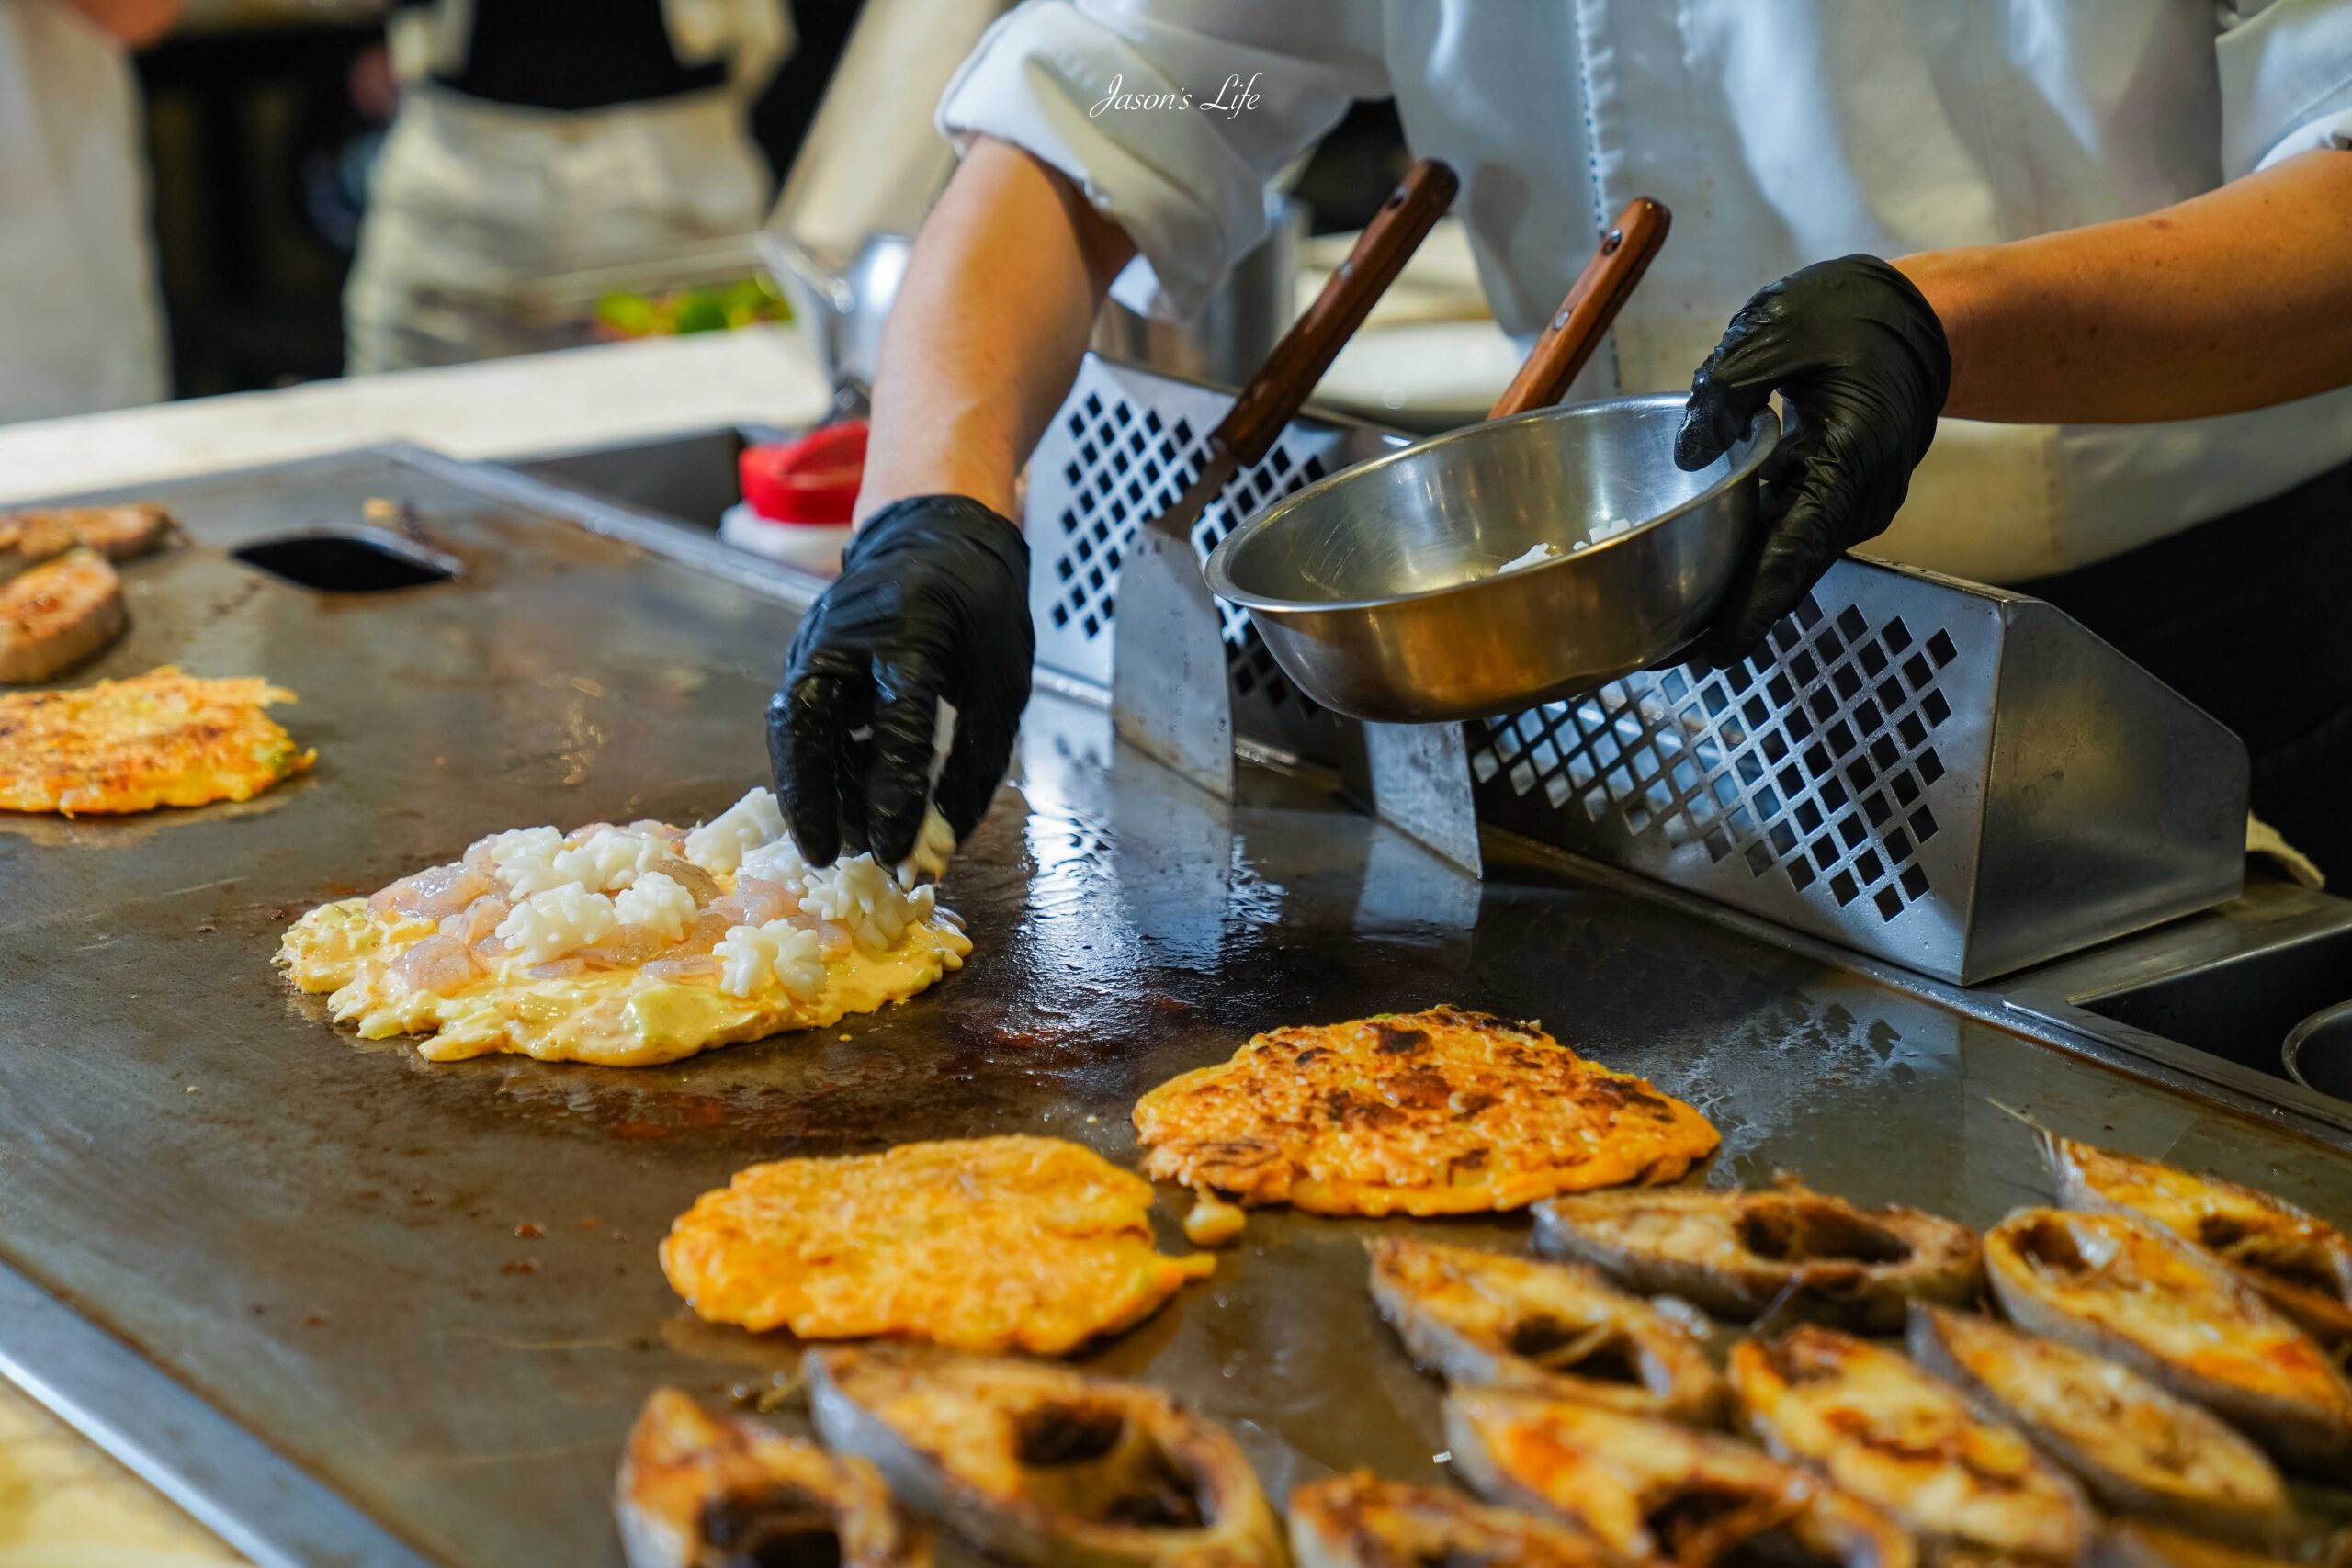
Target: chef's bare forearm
2236, 299
987, 329
135, 24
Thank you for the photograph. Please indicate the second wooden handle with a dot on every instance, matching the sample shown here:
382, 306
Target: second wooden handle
1575, 329
1274, 395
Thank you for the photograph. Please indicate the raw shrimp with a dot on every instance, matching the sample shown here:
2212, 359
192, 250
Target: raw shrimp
431, 894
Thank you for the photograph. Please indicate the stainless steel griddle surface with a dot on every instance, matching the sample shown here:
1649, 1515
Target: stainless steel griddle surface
435, 1287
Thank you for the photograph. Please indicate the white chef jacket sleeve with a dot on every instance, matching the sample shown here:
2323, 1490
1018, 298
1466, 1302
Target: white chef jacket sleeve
1121, 97
2286, 80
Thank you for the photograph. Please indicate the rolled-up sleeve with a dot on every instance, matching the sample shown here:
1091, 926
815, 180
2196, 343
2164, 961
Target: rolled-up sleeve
2285, 70
1121, 97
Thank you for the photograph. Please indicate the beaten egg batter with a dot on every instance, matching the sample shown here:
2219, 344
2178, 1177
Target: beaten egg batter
611, 1014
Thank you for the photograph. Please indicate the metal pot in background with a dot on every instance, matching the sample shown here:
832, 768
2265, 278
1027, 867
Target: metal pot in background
1236, 329
841, 302
2319, 1052
845, 299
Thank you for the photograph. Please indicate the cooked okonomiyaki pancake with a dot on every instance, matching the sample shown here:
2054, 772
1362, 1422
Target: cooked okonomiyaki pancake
161, 738
1436, 1112
983, 1243
626, 947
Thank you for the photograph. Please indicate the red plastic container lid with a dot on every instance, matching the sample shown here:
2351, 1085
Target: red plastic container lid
811, 480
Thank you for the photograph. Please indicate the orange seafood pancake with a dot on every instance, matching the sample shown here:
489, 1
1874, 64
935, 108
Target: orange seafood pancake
983, 1243
1436, 1112
161, 738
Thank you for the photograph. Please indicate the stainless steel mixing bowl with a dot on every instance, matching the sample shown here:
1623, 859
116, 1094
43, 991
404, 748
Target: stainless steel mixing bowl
1379, 589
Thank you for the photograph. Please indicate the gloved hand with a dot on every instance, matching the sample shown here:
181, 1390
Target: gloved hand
1862, 366
932, 603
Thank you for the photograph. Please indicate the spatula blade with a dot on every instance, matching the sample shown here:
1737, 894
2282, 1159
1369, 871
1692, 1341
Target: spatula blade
1169, 697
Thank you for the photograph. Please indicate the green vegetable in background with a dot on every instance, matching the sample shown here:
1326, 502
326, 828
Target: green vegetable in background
738, 304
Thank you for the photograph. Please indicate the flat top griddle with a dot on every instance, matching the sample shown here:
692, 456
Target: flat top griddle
432, 1289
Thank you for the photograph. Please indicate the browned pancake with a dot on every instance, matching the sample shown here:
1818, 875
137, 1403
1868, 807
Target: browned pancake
984, 1243
1436, 1112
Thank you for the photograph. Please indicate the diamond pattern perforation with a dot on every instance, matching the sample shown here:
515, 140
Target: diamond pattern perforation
1812, 762
1123, 463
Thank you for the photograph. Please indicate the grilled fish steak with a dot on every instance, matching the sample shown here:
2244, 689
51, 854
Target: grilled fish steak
29, 538
118, 533
2138, 1448
58, 615
984, 1243
2125, 1288
1363, 1521
1651, 1489
161, 738
699, 1492
1888, 1433
2302, 1264
1486, 1319
1795, 1255
1040, 1464
1437, 1113
2135, 1544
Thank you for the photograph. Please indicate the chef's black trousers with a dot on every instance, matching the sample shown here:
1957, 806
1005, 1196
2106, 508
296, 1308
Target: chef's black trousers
2249, 616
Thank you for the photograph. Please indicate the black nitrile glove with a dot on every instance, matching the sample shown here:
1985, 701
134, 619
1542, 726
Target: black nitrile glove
933, 603
1863, 368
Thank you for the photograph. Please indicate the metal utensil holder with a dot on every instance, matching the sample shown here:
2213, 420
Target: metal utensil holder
1122, 448
1955, 778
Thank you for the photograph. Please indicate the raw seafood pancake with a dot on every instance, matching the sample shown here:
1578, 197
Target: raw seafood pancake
626, 946
697, 1490
985, 1244
1040, 1464
1888, 1433
161, 738
2120, 1286
2139, 1450
1436, 1112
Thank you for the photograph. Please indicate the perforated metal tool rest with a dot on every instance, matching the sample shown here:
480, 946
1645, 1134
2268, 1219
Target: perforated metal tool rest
1958, 779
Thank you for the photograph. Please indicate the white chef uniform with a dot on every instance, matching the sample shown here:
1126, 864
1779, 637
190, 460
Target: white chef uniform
81, 327
1781, 132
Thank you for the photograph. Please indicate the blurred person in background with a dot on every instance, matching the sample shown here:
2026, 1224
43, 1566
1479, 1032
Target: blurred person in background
535, 137
81, 324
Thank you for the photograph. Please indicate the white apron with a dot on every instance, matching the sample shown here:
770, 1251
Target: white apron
470, 195
81, 329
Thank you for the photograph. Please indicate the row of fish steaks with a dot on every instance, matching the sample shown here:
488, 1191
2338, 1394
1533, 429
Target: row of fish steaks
2159, 1346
